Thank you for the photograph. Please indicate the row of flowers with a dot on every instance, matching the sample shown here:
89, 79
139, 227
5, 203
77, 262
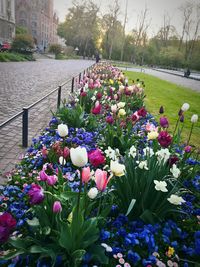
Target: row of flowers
105, 185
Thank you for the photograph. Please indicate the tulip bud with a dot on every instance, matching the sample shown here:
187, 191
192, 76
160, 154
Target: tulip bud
194, 118
57, 207
185, 107
161, 110
85, 175
62, 130
164, 122
188, 149
182, 118
180, 113
109, 119
62, 161
93, 192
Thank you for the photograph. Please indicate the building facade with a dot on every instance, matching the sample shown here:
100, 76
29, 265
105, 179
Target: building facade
7, 20
39, 18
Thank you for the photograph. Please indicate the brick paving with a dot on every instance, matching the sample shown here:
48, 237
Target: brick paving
21, 84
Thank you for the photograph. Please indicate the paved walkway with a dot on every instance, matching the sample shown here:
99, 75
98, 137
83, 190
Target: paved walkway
21, 84
189, 83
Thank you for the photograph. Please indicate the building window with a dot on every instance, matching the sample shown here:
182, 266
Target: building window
34, 24
23, 23
23, 15
34, 16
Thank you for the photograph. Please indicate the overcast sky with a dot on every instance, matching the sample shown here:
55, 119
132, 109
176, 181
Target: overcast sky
156, 9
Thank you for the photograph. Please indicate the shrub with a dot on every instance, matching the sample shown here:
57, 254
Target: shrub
23, 43
7, 56
55, 49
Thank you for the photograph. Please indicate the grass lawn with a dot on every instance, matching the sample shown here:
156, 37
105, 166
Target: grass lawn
171, 97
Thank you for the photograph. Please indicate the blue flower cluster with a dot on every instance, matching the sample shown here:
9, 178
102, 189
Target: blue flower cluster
138, 241
13, 200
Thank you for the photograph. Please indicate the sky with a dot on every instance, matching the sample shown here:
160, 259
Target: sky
156, 10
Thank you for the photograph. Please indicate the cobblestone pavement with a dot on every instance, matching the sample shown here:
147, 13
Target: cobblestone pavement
21, 84
189, 83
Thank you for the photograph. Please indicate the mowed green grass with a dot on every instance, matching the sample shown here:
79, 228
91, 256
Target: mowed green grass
171, 96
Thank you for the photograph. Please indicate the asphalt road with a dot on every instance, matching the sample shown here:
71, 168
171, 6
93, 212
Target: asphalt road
189, 83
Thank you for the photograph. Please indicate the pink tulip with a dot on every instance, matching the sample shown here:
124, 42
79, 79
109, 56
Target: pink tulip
85, 175
52, 179
101, 179
57, 207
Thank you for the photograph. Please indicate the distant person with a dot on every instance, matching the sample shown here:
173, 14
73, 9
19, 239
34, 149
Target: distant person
97, 58
187, 73
44, 49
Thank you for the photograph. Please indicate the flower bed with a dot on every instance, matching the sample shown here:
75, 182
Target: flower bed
105, 185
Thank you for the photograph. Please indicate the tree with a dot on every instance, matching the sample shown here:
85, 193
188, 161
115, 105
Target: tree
112, 29
80, 28
124, 27
21, 30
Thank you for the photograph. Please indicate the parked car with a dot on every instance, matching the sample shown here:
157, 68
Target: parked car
5, 47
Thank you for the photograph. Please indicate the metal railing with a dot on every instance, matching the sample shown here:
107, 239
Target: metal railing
25, 110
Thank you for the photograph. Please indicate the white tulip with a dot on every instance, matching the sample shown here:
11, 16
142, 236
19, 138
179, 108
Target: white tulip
116, 168
93, 192
194, 118
175, 171
114, 108
121, 104
62, 130
62, 161
176, 200
79, 156
185, 107
160, 185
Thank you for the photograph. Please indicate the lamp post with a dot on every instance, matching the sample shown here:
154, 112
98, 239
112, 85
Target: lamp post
76, 49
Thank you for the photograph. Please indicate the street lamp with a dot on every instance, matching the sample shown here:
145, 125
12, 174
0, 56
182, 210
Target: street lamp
76, 49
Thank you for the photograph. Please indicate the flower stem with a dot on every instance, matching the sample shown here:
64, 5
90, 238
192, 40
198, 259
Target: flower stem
79, 194
100, 202
190, 133
176, 126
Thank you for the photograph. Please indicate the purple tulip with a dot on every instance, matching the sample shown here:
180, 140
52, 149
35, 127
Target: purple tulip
52, 179
57, 207
43, 175
109, 119
164, 122
36, 194
7, 224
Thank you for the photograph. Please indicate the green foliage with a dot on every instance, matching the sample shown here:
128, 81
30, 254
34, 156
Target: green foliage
23, 43
21, 30
170, 56
72, 116
136, 193
55, 49
11, 56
